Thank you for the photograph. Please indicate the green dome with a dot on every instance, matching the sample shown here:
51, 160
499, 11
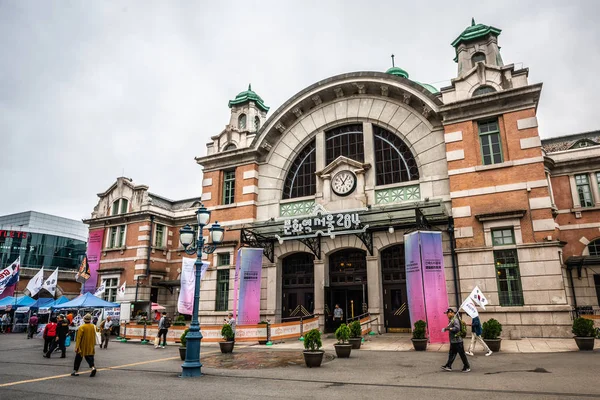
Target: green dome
247, 96
475, 31
429, 87
397, 71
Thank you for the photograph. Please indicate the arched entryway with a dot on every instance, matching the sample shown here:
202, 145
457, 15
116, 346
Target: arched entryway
298, 285
393, 275
347, 283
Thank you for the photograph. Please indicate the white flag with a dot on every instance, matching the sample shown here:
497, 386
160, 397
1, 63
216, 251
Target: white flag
121, 292
35, 284
469, 308
185, 303
51, 282
100, 291
478, 297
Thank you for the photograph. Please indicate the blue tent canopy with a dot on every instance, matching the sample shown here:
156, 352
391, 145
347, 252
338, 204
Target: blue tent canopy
24, 301
60, 300
7, 301
87, 300
43, 303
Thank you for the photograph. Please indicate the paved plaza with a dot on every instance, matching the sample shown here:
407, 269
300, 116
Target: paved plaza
132, 371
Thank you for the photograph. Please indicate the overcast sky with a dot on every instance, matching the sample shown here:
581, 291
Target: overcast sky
90, 90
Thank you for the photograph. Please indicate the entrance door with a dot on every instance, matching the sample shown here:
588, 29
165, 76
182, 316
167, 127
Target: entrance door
298, 286
397, 317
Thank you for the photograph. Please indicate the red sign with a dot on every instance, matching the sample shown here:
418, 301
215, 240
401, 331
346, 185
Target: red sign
13, 234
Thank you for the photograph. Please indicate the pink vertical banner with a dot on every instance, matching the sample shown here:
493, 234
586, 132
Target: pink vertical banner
434, 285
248, 270
94, 250
414, 278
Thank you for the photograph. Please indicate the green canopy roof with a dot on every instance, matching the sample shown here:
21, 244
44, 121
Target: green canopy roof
247, 96
397, 71
475, 31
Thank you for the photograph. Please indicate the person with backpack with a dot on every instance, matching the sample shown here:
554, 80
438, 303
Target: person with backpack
456, 332
163, 328
105, 329
62, 330
49, 336
476, 331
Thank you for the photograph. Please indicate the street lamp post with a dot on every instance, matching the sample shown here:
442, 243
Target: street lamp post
192, 367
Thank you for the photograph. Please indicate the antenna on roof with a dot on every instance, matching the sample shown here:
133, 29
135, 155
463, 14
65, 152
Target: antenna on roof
393, 61
473, 21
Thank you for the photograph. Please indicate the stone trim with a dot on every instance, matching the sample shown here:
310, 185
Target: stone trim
531, 142
463, 232
251, 174
511, 163
540, 202
499, 189
250, 189
453, 137
206, 196
543, 225
527, 123
460, 212
455, 155
207, 182
584, 240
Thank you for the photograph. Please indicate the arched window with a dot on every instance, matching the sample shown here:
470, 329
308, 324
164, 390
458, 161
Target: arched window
256, 123
230, 146
483, 90
345, 141
594, 248
301, 180
120, 206
392, 264
394, 162
478, 57
242, 121
298, 270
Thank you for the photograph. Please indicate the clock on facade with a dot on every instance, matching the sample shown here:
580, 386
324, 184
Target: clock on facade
343, 183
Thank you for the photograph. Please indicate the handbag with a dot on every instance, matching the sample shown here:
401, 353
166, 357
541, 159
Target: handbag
68, 341
156, 341
98, 338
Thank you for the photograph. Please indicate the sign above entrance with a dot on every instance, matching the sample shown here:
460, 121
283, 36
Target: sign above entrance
322, 223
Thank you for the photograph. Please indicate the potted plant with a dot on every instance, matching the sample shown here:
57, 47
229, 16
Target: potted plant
179, 321
491, 334
583, 329
355, 334
342, 348
313, 356
227, 333
418, 339
182, 346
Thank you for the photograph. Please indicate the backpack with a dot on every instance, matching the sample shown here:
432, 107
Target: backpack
463, 328
167, 323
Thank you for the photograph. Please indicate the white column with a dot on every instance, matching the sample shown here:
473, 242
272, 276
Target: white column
319, 288
273, 294
595, 189
550, 190
320, 159
574, 194
369, 149
375, 295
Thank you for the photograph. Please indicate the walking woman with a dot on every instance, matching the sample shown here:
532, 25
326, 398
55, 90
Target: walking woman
476, 331
85, 342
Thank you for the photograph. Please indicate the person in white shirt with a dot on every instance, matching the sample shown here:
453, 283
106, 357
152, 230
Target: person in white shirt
105, 328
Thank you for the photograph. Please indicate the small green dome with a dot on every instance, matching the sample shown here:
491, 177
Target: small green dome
397, 71
247, 96
475, 31
429, 87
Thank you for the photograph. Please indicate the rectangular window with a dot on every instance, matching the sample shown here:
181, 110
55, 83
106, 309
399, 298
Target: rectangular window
116, 237
584, 190
222, 290
159, 238
111, 287
510, 292
124, 206
228, 187
223, 259
502, 237
491, 147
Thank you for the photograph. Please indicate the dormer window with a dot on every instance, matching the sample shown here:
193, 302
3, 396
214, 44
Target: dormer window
256, 123
483, 90
229, 146
242, 121
120, 206
478, 57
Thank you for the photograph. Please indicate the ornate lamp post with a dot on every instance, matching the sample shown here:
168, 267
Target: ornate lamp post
191, 366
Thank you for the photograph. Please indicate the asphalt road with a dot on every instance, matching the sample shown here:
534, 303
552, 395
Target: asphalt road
133, 371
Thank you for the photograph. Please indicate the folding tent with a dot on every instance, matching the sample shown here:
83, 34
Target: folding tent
87, 300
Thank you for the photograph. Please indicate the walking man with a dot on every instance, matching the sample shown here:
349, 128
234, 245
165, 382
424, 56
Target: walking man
62, 330
33, 325
85, 342
49, 336
163, 328
456, 342
231, 322
476, 331
338, 315
105, 328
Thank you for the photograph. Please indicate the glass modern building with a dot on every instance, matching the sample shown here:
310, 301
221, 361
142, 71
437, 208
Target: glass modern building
42, 240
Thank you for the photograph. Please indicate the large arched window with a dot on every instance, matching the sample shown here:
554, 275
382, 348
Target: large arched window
594, 248
394, 162
301, 180
483, 90
345, 141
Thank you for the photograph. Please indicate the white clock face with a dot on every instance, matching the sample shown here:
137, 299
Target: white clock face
343, 183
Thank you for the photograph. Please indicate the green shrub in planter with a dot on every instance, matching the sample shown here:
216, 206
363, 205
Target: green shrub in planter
342, 333
183, 338
419, 331
491, 329
312, 340
583, 327
227, 332
355, 329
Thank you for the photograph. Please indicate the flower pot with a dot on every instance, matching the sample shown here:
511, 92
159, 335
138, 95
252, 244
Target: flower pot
343, 350
355, 342
226, 347
419, 344
313, 358
493, 344
584, 343
182, 351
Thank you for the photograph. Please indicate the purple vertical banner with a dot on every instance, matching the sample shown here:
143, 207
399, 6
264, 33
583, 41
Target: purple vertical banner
94, 249
434, 284
249, 277
414, 278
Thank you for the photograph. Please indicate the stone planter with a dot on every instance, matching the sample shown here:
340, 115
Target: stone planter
343, 350
419, 344
493, 344
182, 351
226, 347
355, 342
313, 358
584, 343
